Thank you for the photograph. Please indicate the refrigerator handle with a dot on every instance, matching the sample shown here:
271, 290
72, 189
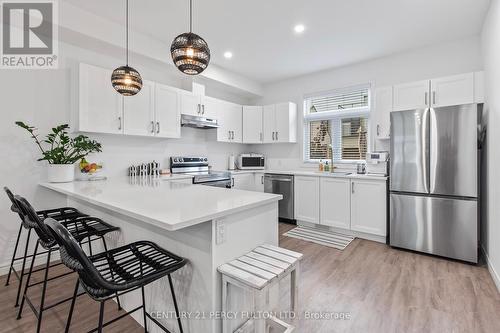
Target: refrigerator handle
426, 98
430, 122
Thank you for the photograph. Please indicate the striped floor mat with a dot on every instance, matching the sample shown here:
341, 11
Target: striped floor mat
322, 237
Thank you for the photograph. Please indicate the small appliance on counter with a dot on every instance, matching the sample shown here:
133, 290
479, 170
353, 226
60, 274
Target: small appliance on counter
377, 163
251, 162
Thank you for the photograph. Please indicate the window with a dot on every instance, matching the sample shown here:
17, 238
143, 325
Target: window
337, 123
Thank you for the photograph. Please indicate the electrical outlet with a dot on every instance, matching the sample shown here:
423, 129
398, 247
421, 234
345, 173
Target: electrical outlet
220, 232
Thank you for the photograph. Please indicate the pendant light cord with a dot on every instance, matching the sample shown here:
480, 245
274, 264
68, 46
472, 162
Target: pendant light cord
126, 42
190, 15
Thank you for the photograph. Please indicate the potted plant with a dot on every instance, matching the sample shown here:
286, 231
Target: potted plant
62, 151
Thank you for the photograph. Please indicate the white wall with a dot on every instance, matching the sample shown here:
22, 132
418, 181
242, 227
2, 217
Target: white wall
491, 213
434, 61
45, 98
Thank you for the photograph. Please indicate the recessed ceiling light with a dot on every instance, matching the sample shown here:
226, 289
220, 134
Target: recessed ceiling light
299, 28
228, 55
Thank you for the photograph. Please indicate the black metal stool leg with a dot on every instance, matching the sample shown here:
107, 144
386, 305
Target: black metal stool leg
175, 303
23, 266
72, 307
44, 290
14, 254
20, 311
101, 317
112, 274
144, 310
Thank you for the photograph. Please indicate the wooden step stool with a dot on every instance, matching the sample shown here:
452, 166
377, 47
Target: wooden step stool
258, 271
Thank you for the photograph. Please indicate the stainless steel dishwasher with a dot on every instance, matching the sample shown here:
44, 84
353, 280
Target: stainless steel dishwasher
284, 185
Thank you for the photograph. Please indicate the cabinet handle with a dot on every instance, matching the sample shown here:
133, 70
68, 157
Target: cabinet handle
152, 127
352, 187
229, 135
426, 95
276, 136
434, 97
203, 108
119, 123
233, 134
273, 136
378, 130
232, 181
262, 180
199, 108
157, 127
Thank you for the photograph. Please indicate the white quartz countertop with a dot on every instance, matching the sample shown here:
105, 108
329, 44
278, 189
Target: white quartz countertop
168, 205
337, 174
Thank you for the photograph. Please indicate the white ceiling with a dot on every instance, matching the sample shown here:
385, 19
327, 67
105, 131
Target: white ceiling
265, 48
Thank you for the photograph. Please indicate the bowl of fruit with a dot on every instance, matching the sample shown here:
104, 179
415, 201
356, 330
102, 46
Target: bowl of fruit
90, 171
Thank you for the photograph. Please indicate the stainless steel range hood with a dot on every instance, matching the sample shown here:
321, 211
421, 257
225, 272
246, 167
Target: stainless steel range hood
198, 122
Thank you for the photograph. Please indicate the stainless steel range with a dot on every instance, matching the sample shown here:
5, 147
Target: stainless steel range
198, 168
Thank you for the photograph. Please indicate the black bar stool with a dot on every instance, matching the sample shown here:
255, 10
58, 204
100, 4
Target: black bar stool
60, 214
121, 270
83, 227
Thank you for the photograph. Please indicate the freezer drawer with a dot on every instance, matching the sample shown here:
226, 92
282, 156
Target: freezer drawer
440, 226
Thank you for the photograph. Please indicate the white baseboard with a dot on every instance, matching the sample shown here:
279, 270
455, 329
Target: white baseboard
40, 260
491, 269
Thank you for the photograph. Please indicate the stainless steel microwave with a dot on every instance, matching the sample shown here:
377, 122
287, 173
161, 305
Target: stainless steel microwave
251, 162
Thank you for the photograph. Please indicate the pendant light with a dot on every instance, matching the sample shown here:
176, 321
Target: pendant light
125, 79
190, 52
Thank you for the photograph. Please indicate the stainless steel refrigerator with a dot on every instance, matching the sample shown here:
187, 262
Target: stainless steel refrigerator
434, 181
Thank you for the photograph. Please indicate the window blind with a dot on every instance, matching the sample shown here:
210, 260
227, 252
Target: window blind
336, 123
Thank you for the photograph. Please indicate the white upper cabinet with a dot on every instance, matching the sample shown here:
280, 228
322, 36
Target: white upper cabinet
286, 122
167, 112
269, 123
190, 104
280, 123
201, 106
252, 124
369, 206
100, 106
413, 95
138, 111
335, 202
229, 118
306, 199
209, 106
381, 115
452, 90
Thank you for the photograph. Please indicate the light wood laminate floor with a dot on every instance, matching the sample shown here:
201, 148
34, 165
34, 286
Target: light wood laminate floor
380, 290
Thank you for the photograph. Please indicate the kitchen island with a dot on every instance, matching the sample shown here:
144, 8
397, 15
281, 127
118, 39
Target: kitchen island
207, 225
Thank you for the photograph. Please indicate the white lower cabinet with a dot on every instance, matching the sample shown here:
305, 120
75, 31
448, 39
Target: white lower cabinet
358, 205
335, 202
306, 199
244, 181
259, 182
369, 206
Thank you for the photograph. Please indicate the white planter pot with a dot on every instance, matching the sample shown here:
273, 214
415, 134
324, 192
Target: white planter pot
61, 173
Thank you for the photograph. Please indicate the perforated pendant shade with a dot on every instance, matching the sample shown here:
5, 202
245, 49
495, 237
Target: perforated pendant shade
126, 80
190, 53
